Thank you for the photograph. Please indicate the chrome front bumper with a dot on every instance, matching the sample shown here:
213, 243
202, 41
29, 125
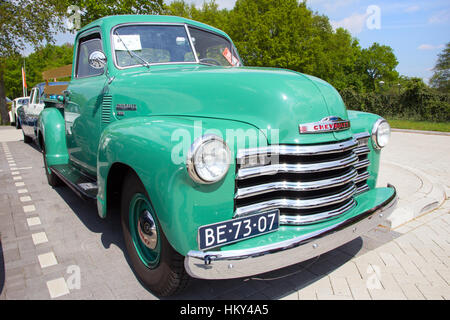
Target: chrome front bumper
243, 263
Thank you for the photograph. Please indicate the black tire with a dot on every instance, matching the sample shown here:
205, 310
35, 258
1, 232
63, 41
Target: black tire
17, 122
52, 179
169, 277
26, 138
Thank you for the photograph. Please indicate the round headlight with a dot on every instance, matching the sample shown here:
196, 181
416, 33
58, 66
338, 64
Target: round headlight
381, 133
208, 159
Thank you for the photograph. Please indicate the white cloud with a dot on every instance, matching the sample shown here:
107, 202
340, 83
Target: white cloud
412, 9
355, 23
430, 47
440, 17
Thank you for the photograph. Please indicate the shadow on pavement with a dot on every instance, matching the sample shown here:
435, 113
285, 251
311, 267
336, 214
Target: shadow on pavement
109, 228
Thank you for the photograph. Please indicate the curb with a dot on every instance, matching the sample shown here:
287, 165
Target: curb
437, 133
428, 198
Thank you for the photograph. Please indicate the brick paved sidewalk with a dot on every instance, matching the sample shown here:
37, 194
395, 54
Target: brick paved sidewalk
48, 235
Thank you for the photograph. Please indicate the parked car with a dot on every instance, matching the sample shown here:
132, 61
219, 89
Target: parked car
219, 170
28, 114
16, 103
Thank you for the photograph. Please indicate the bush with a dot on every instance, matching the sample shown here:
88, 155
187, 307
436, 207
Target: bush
415, 102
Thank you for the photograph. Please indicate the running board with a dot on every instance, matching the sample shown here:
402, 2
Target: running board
83, 185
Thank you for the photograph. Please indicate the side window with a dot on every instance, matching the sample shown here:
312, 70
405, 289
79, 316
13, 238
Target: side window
86, 46
32, 96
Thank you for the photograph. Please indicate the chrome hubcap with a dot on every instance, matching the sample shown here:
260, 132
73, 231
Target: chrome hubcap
147, 230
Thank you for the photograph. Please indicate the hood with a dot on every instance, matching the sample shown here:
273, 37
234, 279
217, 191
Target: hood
263, 97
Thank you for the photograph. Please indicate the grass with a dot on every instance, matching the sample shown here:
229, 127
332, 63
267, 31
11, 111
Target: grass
420, 125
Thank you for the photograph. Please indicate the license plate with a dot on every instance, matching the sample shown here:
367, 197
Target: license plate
219, 234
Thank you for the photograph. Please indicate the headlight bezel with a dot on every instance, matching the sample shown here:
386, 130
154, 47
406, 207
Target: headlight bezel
375, 131
195, 147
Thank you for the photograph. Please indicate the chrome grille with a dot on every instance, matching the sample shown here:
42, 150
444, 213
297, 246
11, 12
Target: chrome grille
306, 183
362, 151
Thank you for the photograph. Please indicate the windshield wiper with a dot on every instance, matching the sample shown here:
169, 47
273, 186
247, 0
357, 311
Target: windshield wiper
131, 53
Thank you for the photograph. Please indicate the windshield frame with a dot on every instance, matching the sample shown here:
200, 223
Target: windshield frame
186, 27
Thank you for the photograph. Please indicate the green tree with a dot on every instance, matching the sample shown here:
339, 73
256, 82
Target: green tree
441, 77
24, 22
378, 63
209, 13
94, 9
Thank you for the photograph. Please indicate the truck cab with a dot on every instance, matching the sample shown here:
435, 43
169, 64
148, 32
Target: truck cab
219, 170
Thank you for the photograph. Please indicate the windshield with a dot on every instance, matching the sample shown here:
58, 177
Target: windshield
170, 44
212, 48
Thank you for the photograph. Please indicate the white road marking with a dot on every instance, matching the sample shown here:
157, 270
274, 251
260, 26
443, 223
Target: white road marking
57, 288
25, 199
22, 191
24, 168
15, 173
47, 259
29, 208
20, 184
17, 178
39, 238
35, 221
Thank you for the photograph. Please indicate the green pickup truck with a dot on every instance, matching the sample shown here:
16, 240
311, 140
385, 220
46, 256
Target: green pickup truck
219, 170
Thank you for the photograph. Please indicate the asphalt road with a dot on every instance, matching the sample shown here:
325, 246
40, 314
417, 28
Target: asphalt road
54, 246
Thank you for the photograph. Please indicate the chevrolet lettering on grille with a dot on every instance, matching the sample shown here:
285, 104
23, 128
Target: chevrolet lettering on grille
328, 124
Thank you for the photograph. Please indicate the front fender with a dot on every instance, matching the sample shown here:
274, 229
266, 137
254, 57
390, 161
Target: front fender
155, 148
52, 128
363, 122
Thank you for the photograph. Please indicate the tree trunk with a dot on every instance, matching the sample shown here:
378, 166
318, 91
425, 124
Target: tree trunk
3, 106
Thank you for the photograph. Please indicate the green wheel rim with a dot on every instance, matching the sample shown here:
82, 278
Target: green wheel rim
149, 257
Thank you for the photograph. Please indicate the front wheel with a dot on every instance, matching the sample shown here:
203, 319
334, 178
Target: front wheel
153, 259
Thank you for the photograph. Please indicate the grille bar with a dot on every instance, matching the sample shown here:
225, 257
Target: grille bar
297, 203
362, 188
362, 177
308, 219
296, 186
348, 161
361, 150
362, 164
312, 150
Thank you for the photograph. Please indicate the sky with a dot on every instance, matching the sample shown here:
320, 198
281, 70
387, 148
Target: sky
417, 30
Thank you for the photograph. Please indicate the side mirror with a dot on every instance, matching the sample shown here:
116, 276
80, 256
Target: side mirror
97, 60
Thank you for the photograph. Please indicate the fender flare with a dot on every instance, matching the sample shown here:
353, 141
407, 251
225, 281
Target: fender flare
51, 127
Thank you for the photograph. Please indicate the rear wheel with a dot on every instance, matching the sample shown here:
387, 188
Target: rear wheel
26, 138
52, 179
153, 259
17, 123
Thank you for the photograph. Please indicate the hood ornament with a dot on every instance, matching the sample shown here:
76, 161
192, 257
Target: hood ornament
328, 124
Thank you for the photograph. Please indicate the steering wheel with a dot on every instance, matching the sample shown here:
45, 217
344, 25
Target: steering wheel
212, 60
